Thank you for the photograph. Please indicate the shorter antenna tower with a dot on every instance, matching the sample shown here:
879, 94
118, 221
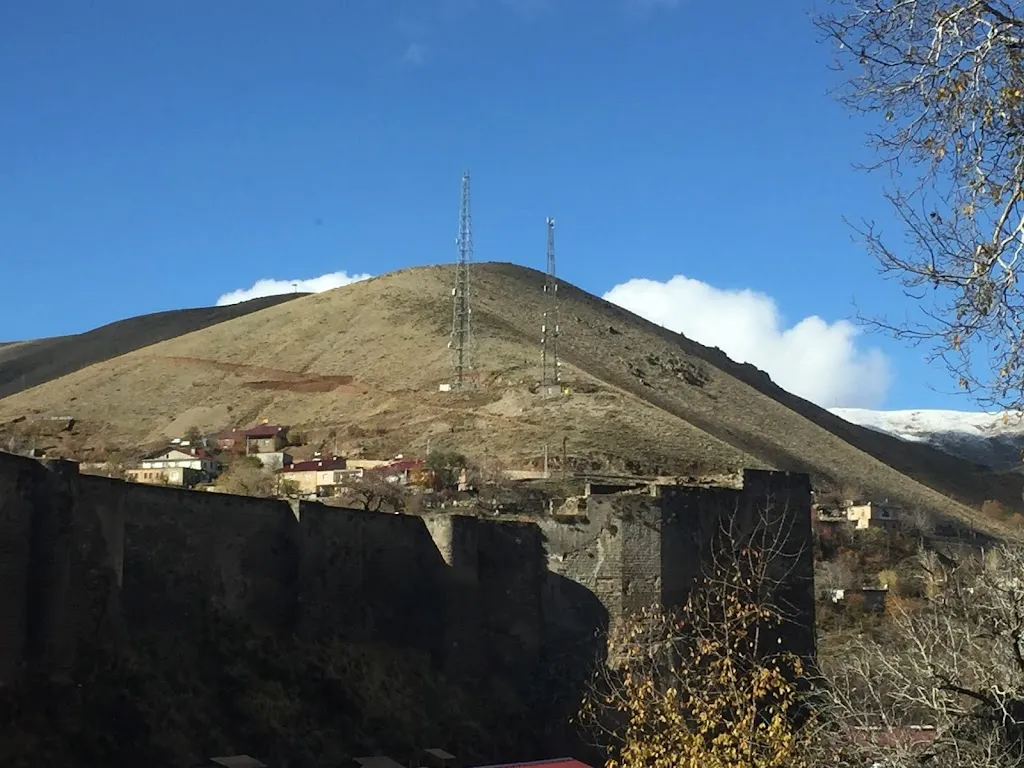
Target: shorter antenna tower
461, 342
549, 378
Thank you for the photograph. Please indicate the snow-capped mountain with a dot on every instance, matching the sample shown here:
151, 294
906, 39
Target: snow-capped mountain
994, 439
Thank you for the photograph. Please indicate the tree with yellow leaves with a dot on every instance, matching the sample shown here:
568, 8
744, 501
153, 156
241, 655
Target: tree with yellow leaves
709, 686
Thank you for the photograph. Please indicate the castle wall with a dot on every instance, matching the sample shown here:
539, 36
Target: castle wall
57, 568
367, 576
633, 550
615, 550
184, 550
510, 573
15, 548
80, 553
455, 537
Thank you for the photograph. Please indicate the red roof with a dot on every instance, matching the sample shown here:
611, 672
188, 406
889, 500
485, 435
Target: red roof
399, 466
564, 762
315, 464
196, 453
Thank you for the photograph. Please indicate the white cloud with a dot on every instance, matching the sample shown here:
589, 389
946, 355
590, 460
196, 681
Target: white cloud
269, 287
814, 359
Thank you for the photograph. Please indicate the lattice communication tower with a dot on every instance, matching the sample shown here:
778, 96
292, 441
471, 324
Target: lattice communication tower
461, 342
549, 330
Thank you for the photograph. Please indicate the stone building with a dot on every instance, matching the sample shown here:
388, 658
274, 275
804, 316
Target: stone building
873, 515
182, 477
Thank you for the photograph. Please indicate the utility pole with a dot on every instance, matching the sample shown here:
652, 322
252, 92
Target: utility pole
549, 378
546, 473
461, 341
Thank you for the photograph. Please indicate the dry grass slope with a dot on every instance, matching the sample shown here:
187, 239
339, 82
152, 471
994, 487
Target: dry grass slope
25, 364
361, 365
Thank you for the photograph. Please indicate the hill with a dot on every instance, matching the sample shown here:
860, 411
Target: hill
359, 368
993, 439
25, 364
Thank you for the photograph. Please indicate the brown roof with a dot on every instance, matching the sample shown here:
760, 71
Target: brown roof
406, 465
314, 465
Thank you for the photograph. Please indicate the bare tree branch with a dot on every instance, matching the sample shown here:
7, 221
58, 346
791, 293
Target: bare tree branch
952, 664
945, 81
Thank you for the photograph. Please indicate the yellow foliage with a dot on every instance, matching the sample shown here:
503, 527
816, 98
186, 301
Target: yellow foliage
699, 691
889, 578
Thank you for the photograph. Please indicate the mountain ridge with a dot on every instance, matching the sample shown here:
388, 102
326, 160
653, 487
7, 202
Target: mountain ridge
360, 366
995, 439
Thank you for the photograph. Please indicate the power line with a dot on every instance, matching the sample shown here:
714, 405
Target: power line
461, 342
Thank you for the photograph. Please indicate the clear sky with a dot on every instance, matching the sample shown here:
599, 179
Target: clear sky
162, 154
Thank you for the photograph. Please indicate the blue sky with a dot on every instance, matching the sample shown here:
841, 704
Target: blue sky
162, 154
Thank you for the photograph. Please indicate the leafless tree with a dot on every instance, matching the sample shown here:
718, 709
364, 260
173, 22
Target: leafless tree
944, 80
245, 476
954, 662
833, 574
374, 494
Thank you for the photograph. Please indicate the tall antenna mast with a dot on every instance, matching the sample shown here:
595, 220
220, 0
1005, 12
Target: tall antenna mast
461, 342
549, 378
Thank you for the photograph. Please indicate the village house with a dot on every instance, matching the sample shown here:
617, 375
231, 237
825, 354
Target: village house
273, 460
402, 472
181, 458
318, 477
264, 438
367, 463
873, 515
182, 467
873, 599
182, 477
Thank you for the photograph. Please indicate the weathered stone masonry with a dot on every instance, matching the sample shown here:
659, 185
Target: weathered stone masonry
649, 546
86, 559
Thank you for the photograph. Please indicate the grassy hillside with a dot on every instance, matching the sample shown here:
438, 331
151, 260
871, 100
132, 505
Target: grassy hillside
360, 367
27, 364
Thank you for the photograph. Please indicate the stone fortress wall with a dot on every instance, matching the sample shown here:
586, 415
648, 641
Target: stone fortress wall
85, 559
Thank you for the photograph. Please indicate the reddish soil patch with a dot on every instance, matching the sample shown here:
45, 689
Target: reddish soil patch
312, 383
278, 380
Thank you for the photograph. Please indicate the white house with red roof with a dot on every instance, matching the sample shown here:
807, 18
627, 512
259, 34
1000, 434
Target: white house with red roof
181, 457
401, 471
320, 476
177, 465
